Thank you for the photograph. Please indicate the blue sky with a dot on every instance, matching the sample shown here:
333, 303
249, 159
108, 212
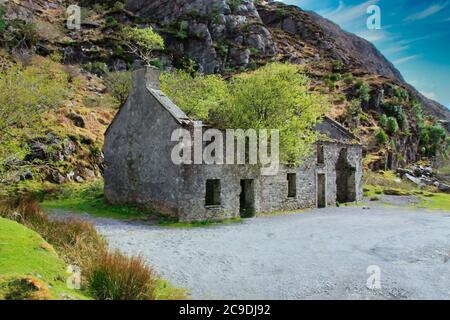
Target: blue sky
414, 35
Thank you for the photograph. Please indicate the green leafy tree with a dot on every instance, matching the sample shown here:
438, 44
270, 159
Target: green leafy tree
383, 121
196, 95
392, 125
381, 136
273, 97
142, 42
119, 85
25, 94
363, 91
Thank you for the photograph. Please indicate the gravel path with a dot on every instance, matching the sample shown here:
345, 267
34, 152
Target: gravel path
320, 254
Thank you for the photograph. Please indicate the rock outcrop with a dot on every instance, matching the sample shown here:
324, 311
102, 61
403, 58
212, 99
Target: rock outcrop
217, 34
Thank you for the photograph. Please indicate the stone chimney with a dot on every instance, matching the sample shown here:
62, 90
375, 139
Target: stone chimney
145, 76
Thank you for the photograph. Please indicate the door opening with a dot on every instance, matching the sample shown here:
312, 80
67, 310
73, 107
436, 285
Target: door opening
321, 191
247, 198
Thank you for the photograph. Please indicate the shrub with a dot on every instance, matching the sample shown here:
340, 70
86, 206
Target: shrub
2, 19
335, 77
118, 84
142, 42
117, 277
276, 96
363, 91
383, 121
337, 66
381, 136
348, 78
26, 93
392, 125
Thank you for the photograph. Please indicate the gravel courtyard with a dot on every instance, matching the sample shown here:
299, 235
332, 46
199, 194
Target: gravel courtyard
319, 254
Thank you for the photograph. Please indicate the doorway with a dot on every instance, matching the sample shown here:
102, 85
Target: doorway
247, 198
345, 179
321, 191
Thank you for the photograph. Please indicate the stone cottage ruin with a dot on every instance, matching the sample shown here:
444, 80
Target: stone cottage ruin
139, 169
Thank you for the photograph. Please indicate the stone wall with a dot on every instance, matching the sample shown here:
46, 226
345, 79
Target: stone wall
137, 151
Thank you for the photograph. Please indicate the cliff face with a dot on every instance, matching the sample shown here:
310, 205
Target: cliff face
231, 36
216, 34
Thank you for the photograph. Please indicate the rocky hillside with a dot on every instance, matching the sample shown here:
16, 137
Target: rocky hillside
228, 37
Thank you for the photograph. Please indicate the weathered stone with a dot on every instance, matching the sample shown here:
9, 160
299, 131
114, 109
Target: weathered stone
139, 169
77, 119
57, 177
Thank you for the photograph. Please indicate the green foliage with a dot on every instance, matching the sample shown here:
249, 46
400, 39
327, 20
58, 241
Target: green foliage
142, 42
401, 93
20, 34
97, 67
337, 66
234, 4
196, 95
363, 91
273, 97
432, 139
381, 136
118, 84
25, 94
27, 253
111, 22
395, 111
383, 121
348, 78
335, 77
392, 125
2, 19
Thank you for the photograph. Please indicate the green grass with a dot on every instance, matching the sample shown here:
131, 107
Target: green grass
23, 253
198, 224
435, 201
166, 291
87, 198
97, 208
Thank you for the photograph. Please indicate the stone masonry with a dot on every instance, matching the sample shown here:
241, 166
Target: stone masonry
139, 170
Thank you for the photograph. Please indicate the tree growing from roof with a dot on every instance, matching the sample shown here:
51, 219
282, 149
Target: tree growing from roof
196, 95
273, 97
142, 42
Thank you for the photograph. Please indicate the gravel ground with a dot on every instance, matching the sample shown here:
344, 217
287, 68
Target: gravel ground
319, 254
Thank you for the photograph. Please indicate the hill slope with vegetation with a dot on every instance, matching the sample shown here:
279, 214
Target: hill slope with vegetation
89, 70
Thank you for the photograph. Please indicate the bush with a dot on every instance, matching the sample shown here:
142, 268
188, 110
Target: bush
2, 19
381, 136
117, 277
142, 42
276, 96
26, 93
363, 91
383, 121
118, 84
392, 125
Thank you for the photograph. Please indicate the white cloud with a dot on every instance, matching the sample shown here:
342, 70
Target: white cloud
396, 49
373, 35
407, 59
430, 95
428, 12
343, 15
